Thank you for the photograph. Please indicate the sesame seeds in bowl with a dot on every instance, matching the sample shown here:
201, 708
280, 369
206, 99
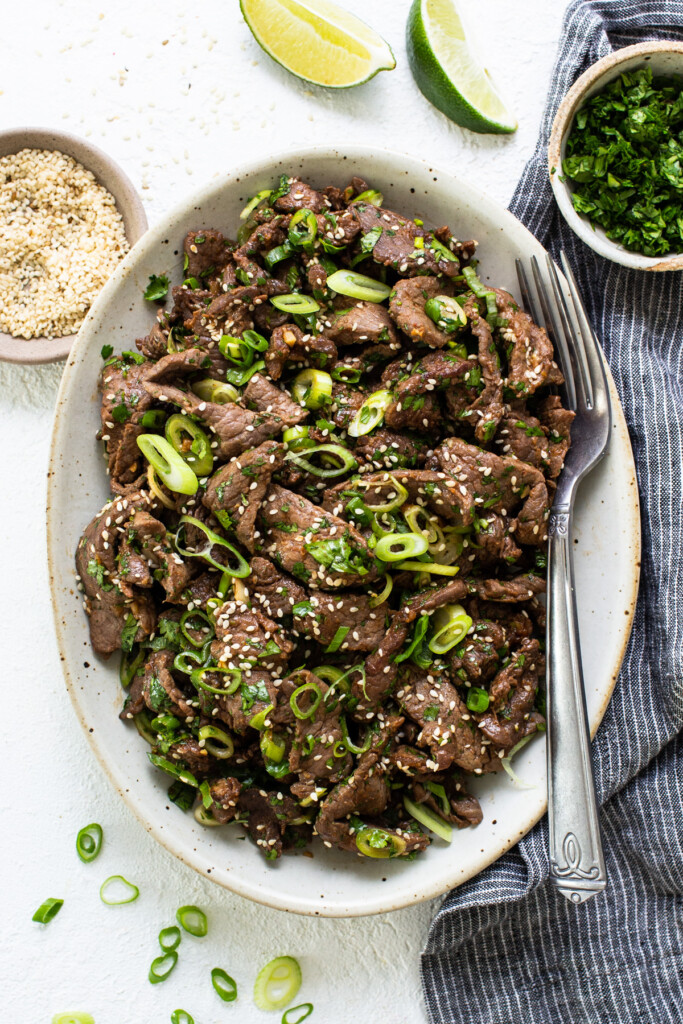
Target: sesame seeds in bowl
68, 215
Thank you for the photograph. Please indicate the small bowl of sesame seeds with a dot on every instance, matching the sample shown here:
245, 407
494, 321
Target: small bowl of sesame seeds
68, 216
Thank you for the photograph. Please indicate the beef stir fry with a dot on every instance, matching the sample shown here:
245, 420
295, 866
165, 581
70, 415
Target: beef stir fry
332, 460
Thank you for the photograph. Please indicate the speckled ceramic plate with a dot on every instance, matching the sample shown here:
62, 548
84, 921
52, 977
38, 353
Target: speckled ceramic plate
607, 539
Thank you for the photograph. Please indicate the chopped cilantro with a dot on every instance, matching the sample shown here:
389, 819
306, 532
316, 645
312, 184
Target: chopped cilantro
157, 289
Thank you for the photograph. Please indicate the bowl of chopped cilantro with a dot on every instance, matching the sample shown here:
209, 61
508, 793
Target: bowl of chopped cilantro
616, 156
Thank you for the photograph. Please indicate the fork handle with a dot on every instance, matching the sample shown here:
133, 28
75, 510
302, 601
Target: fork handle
577, 867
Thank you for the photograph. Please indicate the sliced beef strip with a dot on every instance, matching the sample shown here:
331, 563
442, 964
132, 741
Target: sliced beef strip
264, 237
476, 659
421, 413
124, 402
434, 490
243, 638
434, 372
513, 694
395, 247
381, 670
150, 538
224, 798
463, 250
464, 809
256, 694
290, 524
339, 228
487, 409
186, 302
272, 590
236, 426
346, 401
161, 692
323, 614
495, 541
531, 361
428, 600
558, 423
195, 758
301, 196
207, 252
263, 824
520, 434
367, 359
230, 313
387, 449
288, 344
239, 487
266, 398
363, 323
451, 734
508, 591
105, 603
312, 755
407, 309
532, 518
153, 345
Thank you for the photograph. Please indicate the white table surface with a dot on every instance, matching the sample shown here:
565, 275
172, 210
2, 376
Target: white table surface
178, 97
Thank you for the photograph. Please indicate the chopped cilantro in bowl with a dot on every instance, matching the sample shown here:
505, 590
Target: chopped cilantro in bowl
623, 161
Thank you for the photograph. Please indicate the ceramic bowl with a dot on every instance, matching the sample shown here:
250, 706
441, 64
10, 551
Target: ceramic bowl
665, 58
606, 555
108, 174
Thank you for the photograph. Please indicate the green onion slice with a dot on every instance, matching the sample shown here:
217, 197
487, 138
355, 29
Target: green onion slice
295, 303
89, 842
129, 665
171, 468
225, 986
191, 443
310, 687
181, 1017
397, 546
477, 699
197, 621
337, 640
193, 920
142, 720
506, 762
433, 567
416, 649
272, 746
328, 452
312, 388
234, 675
225, 746
259, 720
329, 674
277, 983
204, 817
153, 419
421, 523
370, 196
429, 819
306, 1008
375, 842
278, 254
446, 313
75, 1017
370, 414
358, 286
161, 967
451, 625
254, 202
347, 375
378, 599
395, 498
296, 438
242, 569
442, 251
47, 910
117, 884
173, 769
169, 938
215, 391
186, 661
352, 747
303, 229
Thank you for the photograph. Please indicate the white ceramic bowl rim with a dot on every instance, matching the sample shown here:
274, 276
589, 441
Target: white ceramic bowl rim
402, 893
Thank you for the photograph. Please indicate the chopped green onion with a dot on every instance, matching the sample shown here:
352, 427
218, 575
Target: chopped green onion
225, 747
129, 665
296, 438
172, 469
75, 1017
507, 766
172, 769
197, 679
475, 285
303, 229
89, 842
191, 443
272, 746
278, 254
295, 303
379, 599
242, 569
433, 567
169, 938
277, 983
307, 1011
192, 283
442, 251
193, 920
254, 202
329, 674
358, 286
153, 419
224, 985
47, 910
451, 625
337, 640
397, 546
196, 620
429, 819
156, 489
181, 1017
370, 196
142, 720
128, 893
416, 649
370, 414
446, 313
186, 661
419, 521
259, 720
393, 502
309, 687
352, 747
375, 842
205, 817
215, 391
161, 967
239, 377
346, 374
346, 464
312, 388
477, 699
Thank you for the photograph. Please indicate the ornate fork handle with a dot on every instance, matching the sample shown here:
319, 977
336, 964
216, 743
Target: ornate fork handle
577, 866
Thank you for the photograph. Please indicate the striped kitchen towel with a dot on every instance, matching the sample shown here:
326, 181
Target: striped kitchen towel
505, 948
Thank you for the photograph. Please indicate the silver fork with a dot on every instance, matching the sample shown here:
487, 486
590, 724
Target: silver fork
577, 866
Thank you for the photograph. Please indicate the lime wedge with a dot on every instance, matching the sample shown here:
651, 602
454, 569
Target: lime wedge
447, 71
318, 41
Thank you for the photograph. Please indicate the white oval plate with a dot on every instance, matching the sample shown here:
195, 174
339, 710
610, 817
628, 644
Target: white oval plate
607, 541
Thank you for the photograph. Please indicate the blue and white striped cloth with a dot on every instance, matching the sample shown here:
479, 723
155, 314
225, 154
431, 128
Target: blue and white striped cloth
505, 948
